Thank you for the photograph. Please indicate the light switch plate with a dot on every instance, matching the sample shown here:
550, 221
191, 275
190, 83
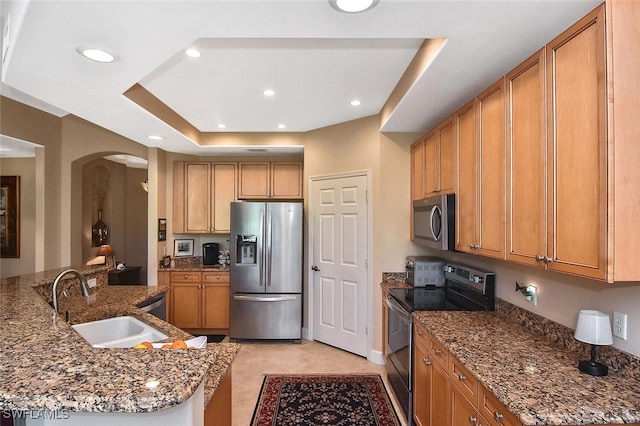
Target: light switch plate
91, 282
620, 325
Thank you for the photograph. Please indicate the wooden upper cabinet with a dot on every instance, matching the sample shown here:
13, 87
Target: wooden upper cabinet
417, 170
467, 187
431, 160
202, 193
526, 193
491, 182
480, 140
264, 180
446, 157
577, 159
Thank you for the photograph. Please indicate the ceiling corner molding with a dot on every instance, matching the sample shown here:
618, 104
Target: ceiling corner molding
426, 54
146, 100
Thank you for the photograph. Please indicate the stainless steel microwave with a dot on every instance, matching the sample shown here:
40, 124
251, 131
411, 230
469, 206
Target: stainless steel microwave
434, 222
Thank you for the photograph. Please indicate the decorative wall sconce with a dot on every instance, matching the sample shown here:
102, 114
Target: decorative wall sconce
528, 291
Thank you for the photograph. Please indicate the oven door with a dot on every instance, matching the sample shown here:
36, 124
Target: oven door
400, 354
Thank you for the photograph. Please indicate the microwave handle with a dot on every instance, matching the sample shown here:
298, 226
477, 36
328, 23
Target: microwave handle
434, 210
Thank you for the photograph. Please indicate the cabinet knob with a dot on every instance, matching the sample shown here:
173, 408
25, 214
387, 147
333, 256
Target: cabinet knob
420, 333
473, 420
497, 416
217, 277
462, 377
438, 352
548, 259
539, 258
186, 276
426, 361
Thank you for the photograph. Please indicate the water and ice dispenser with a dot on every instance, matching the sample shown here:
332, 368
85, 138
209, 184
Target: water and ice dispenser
247, 249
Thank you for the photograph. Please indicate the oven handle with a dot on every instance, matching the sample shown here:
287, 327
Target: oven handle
399, 309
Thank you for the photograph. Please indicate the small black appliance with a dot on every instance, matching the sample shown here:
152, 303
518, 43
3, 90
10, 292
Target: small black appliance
210, 253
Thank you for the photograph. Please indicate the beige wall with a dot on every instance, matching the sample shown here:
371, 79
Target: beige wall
25, 169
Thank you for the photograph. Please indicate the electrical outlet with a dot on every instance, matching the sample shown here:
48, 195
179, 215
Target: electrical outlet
620, 325
92, 282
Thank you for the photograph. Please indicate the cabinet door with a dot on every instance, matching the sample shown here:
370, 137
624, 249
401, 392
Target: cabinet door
446, 157
430, 164
465, 124
178, 196
491, 182
224, 185
215, 306
186, 305
253, 181
417, 170
462, 411
578, 148
197, 184
526, 162
440, 396
286, 180
493, 411
421, 386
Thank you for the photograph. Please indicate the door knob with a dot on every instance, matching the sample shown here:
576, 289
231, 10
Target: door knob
315, 268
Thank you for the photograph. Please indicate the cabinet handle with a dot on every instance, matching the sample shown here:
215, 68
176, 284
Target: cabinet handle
420, 333
462, 377
473, 420
426, 361
539, 258
438, 352
548, 259
497, 416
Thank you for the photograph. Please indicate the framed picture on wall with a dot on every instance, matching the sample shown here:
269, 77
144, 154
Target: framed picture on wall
162, 229
10, 216
182, 248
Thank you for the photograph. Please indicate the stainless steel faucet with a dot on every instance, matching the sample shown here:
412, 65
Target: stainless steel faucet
83, 286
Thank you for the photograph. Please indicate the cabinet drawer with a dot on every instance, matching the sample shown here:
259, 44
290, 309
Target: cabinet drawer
464, 380
421, 335
215, 277
186, 277
493, 411
438, 352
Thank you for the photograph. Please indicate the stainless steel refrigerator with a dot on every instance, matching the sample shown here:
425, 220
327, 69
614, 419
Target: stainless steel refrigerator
265, 272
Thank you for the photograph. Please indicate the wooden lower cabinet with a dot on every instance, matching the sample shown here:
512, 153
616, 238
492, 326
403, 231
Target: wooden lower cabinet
431, 383
200, 301
218, 412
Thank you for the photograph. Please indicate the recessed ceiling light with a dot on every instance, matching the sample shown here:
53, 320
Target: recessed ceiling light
355, 102
98, 54
281, 126
353, 6
155, 137
192, 53
222, 126
268, 92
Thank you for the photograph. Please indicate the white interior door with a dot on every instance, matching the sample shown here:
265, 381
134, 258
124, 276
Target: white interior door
339, 219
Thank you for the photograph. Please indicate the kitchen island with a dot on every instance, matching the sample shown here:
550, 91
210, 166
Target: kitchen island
46, 367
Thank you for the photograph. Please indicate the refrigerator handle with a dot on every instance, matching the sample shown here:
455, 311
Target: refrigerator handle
267, 243
264, 299
260, 255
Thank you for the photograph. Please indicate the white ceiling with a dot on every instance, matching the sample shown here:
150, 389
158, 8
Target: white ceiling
315, 59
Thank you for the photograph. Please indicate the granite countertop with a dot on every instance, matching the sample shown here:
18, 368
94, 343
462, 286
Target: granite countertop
537, 380
47, 365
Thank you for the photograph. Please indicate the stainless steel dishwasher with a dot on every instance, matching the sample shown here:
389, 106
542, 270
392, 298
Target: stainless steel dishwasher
156, 306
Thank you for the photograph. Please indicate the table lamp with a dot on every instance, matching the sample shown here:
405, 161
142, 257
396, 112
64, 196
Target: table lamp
107, 251
593, 328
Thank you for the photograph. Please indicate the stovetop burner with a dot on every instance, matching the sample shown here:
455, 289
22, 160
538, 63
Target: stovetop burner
465, 289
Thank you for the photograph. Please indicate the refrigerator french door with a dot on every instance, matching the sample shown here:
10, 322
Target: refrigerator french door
265, 271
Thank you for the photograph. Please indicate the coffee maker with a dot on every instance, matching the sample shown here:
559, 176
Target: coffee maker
210, 253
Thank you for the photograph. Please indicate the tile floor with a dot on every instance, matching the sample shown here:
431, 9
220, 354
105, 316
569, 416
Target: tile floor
256, 359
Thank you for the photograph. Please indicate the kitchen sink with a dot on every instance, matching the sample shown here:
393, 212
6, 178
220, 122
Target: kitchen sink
118, 332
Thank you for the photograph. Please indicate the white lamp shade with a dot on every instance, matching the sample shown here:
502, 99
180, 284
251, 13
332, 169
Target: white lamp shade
594, 328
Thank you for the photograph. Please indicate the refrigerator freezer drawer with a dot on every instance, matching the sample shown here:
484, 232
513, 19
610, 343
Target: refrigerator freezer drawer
265, 316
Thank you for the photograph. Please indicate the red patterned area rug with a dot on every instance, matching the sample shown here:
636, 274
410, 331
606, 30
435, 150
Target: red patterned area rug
336, 400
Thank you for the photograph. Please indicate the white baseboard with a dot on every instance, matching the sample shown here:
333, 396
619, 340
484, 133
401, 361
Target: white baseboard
376, 357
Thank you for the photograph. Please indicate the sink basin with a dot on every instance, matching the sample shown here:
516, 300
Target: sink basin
118, 332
